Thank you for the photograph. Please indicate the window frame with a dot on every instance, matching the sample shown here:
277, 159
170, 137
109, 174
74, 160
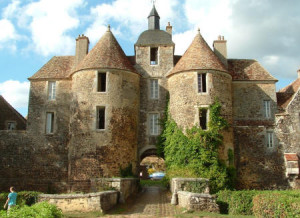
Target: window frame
98, 79
156, 56
207, 117
203, 83
154, 91
152, 125
267, 109
97, 118
270, 140
52, 91
51, 132
11, 121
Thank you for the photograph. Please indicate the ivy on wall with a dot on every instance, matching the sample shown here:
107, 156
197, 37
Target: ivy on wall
195, 152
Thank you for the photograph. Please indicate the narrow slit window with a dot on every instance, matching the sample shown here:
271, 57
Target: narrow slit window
203, 118
49, 122
153, 56
270, 139
101, 118
101, 82
11, 125
51, 90
201, 82
154, 88
267, 108
154, 124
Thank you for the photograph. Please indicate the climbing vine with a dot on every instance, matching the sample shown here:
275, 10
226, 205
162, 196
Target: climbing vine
195, 152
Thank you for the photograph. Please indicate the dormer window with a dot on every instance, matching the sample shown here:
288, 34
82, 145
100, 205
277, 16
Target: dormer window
154, 56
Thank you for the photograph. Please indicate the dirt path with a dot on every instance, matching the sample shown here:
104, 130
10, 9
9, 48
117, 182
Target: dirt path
153, 201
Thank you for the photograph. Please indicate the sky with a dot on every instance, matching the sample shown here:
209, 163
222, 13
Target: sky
33, 31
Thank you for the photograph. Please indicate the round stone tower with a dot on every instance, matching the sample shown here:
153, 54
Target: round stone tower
104, 112
195, 82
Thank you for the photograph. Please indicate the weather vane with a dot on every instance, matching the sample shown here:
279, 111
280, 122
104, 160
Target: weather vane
153, 1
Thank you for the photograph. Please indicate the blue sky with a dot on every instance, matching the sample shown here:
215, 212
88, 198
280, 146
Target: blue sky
32, 31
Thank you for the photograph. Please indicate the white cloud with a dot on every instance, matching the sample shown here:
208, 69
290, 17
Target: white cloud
49, 22
12, 9
8, 35
183, 40
15, 92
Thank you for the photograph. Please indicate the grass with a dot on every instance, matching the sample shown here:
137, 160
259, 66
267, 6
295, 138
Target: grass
83, 215
185, 213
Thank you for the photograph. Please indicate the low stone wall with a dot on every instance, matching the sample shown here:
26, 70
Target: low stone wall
196, 201
126, 186
99, 201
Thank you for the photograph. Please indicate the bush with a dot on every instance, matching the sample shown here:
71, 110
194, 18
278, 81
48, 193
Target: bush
260, 203
39, 210
126, 172
276, 204
24, 198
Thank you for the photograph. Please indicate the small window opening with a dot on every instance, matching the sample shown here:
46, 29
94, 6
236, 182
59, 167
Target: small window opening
153, 56
267, 108
101, 118
101, 82
270, 140
201, 82
154, 124
49, 122
154, 88
203, 118
11, 125
51, 90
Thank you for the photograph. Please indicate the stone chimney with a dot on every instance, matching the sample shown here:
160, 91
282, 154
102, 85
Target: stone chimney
298, 71
169, 29
82, 48
220, 49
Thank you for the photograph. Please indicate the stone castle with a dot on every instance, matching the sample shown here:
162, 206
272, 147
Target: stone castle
98, 111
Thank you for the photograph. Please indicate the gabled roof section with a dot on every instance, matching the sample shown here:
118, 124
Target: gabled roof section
58, 67
285, 95
107, 53
247, 69
197, 57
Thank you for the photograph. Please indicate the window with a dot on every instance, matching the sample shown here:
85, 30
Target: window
267, 108
153, 56
49, 122
270, 140
154, 88
101, 86
201, 82
51, 90
11, 125
154, 124
100, 118
203, 118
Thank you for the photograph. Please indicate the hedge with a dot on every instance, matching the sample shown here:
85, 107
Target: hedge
249, 202
39, 210
276, 205
23, 198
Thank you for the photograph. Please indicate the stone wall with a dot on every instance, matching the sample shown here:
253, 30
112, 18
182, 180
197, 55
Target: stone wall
107, 150
185, 101
99, 201
196, 201
126, 186
148, 72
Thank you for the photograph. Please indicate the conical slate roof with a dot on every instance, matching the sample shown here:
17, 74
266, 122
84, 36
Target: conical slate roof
153, 12
107, 53
198, 56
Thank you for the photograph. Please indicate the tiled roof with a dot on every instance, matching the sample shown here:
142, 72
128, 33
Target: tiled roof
285, 95
198, 56
247, 69
59, 67
291, 156
107, 53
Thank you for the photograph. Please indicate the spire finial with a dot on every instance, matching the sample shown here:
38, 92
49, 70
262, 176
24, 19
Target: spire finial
108, 28
153, 2
198, 30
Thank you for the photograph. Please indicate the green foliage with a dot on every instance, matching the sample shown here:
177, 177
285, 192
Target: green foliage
126, 172
196, 151
39, 210
259, 203
272, 204
23, 198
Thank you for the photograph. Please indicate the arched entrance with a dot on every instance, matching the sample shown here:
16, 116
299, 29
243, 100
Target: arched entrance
150, 163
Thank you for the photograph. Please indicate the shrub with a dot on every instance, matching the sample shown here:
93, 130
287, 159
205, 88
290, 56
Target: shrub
39, 210
276, 204
126, 172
